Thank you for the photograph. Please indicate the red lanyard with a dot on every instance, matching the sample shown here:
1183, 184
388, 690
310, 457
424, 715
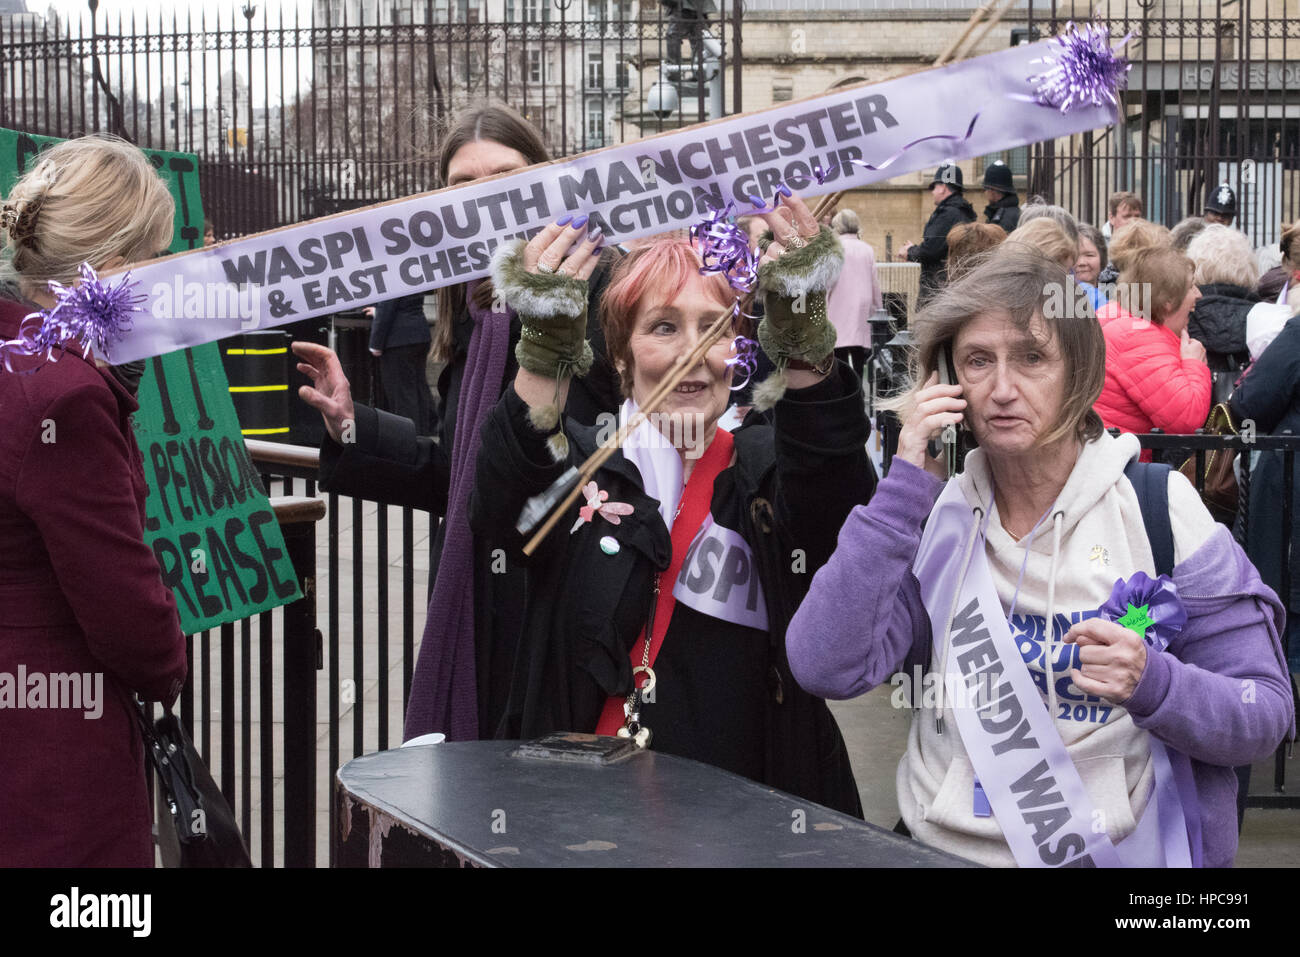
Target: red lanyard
696, 499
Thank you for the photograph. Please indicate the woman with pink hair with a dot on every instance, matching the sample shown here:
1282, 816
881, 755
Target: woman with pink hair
657, 607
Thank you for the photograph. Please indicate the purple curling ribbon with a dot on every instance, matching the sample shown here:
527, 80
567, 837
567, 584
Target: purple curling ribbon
1085, 71
820, 174
956, 140
724, 248
94, 312
1149, 607
745, 359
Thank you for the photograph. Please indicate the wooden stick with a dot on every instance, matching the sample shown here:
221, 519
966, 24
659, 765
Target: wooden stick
827, 203
975, 18
994, 16
615, 442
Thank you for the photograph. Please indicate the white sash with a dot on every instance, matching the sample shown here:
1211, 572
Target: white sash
1033, 787
719, 577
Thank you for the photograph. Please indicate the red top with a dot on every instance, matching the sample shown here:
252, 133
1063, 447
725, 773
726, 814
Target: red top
1148, 382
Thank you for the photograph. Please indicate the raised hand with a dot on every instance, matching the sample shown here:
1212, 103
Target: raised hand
560, 249
330, 394
792, 225
796, 270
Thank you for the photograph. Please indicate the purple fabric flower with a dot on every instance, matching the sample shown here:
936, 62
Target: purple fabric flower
94, 312
1149, 607
1085, 71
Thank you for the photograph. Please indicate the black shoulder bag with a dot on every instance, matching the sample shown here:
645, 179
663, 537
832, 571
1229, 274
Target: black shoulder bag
202, 831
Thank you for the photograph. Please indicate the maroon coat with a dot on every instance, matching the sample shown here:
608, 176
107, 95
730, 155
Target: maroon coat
80, 592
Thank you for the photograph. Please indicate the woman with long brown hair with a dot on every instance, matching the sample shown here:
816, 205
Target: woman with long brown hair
476, 610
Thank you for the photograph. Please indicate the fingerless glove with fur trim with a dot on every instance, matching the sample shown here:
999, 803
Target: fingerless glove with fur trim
794, 323
552, 310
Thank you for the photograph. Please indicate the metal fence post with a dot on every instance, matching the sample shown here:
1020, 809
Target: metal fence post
298, 517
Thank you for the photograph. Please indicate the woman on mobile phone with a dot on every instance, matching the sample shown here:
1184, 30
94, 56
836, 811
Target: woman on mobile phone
1016, 585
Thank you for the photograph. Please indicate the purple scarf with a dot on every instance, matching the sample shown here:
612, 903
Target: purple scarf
444, 695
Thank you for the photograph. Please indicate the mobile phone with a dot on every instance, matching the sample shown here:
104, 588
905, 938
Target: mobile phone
947, 371
948, 447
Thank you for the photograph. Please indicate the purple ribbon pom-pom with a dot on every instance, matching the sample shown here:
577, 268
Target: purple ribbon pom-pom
724, 248
1150, 607
92, 313
1083, 71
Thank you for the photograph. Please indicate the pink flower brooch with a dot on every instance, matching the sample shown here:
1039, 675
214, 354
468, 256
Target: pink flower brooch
598, 504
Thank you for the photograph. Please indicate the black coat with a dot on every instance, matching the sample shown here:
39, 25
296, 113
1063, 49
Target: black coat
1219, 323
1270, 395
399, 322
1005, 212
390, 462
932, 251
799, 480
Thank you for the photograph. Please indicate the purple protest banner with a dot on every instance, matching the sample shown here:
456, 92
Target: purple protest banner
663, 182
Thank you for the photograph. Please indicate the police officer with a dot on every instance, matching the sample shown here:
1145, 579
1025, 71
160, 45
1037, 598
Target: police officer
1004, 205
1220, 205
950, 209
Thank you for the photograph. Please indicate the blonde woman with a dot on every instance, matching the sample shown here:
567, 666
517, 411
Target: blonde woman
1228, 278
1125, 243
84, 604
1050, 238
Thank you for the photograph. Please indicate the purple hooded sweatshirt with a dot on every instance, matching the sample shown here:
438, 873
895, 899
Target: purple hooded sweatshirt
1219, 693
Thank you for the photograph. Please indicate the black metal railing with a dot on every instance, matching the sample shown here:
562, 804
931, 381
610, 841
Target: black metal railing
1211, 97
357, 610
240, 659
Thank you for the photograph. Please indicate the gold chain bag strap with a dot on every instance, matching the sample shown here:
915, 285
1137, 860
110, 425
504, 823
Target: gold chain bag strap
1219, 491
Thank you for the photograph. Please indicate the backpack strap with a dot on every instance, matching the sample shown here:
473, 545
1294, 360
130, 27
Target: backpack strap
1151, 482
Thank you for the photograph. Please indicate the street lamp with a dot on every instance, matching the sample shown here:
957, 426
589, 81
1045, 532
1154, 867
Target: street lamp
189, 116
248, 10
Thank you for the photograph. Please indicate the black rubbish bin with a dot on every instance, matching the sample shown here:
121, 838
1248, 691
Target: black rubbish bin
257, 367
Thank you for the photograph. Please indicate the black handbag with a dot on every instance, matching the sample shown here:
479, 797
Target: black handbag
196, 827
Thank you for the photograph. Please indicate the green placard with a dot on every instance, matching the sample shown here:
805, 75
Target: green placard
207, 516
180, 170
208, 519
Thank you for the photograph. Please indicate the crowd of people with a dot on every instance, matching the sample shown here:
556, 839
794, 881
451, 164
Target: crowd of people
738, 561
